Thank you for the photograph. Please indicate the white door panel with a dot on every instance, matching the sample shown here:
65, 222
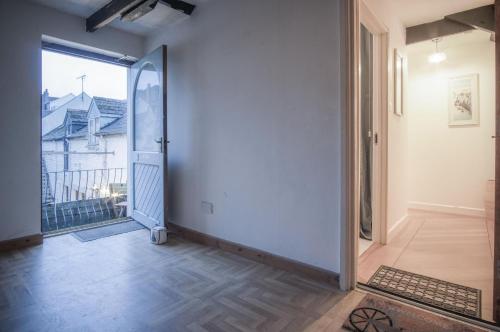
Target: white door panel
147, 145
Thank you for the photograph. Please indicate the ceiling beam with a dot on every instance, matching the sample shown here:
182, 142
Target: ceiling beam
433, 30
108, 13
482, 18
118, 8
182, 6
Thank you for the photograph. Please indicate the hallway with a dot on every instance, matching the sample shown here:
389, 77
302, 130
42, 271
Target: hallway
447, 247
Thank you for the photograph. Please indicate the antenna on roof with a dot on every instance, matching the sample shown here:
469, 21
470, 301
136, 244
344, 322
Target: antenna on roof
83, 77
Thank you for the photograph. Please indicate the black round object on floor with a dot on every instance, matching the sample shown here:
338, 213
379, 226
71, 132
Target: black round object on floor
369, 320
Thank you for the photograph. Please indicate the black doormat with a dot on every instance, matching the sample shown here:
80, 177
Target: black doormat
105, 231
434, 292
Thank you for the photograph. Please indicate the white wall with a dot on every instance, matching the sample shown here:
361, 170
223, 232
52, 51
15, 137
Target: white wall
96, 169
449, 166
254, 125
116, 144
54, 162
397, 163
21, 28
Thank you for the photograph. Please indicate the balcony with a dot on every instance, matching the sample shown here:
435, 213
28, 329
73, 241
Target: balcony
82, 198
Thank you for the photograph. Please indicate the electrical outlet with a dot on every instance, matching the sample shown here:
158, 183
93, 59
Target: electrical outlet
207, 207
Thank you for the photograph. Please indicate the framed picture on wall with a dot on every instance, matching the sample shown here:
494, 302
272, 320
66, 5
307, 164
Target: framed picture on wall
463, 100
398, 83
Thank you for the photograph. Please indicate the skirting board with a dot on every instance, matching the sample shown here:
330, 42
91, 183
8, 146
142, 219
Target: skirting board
394, 228
22, 242
450, 209
257, 255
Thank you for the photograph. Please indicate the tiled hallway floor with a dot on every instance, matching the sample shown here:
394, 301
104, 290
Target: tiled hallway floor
447, 247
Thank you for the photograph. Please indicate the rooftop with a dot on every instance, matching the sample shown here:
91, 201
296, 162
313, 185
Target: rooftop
106, 106
111, 106
118, 126
56, 134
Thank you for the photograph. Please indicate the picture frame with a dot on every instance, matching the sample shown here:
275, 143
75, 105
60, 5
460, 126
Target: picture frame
463, 100
398, 83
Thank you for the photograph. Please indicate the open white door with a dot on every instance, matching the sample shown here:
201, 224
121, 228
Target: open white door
148, 139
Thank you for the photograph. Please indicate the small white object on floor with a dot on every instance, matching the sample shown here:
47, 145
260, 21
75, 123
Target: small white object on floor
363, 245
159, 235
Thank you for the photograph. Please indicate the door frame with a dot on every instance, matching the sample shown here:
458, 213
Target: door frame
380, 120
496, 223
350, 22
353, 12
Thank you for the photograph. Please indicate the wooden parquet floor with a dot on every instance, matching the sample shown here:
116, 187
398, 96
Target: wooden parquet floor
124, 283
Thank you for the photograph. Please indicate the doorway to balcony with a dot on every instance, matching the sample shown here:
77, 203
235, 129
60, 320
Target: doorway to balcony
83, 139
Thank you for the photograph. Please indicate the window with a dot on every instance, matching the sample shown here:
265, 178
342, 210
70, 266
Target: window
92, 130
66, 155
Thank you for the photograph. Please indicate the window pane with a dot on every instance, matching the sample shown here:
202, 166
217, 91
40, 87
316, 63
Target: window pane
147, 111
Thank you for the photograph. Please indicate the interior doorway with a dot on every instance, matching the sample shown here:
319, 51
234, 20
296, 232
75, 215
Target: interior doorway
367, 140
373, 130
439, 224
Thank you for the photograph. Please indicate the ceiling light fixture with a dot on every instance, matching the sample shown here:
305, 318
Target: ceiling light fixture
437, 56
138, 10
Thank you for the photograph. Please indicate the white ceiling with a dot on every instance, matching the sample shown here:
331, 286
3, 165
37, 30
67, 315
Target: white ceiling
160, 17
411, 12
414, 12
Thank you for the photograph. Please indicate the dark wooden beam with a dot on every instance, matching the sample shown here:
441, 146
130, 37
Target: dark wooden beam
108, 13
182, 6
433, 30
482, 18
118, 8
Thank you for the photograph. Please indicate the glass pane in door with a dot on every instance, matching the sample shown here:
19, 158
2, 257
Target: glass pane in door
147, 111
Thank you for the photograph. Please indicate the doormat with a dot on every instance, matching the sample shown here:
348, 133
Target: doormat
105, 231
434, 292
378, 314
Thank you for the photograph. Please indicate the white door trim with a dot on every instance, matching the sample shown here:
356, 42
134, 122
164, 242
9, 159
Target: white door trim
380, 120
352, 11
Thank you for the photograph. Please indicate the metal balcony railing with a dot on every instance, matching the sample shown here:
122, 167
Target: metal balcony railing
81, 197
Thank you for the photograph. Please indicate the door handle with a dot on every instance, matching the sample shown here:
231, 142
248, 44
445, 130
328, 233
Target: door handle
160, 141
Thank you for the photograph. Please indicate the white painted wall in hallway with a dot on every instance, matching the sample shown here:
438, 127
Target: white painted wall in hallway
449, 166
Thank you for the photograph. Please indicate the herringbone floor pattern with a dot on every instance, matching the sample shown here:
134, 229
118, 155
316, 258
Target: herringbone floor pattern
124, 283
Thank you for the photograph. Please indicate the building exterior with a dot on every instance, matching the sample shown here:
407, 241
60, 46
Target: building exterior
84, 157
54, 112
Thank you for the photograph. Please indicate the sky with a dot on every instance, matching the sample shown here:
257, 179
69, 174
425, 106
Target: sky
60, 72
